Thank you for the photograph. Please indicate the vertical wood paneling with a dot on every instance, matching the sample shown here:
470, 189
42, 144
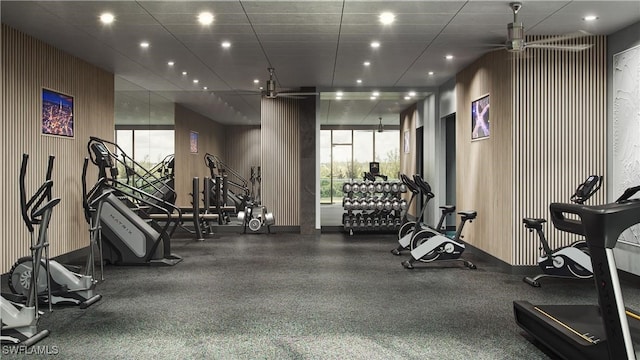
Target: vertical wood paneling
559, 136
27, 66
408, 118
243, 149
279, 138
483, 168
211, 139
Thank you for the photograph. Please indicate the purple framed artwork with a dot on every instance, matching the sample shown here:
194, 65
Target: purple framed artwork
57, 114
193, 142
480, 118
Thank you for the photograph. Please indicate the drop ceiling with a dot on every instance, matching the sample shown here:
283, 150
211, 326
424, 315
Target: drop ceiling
320, 44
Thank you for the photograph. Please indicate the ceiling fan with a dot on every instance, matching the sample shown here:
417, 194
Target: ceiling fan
516, 37
270, 91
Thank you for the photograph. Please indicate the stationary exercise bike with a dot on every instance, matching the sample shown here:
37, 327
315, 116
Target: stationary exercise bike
56, 284
427, 247
406, 231
568, 262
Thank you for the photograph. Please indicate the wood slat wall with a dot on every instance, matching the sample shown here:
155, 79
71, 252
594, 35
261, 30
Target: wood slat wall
28, 65
243, 149
483, 168
408, 118
559, 136
279, 138
211, 139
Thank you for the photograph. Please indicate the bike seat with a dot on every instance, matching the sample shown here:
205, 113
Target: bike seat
468, 215
448, 209
533, 223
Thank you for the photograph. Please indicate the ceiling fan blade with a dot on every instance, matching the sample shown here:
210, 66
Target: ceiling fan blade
579, 47
574, 35
296, 95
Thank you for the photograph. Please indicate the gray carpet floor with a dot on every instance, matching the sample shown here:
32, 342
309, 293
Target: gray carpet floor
287, 296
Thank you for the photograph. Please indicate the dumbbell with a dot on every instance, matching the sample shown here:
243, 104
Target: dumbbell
369, 221
376, 222
348, 205
388, 205
386, 187
346, 188
403, 188
371, 188
403, 204
395, 204
371, 204
394, 187
379, 187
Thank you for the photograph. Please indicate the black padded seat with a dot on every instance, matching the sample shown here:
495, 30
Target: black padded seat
448, 208
468, 215
533, 222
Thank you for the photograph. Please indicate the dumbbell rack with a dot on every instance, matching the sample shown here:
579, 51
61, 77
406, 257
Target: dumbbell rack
373, 206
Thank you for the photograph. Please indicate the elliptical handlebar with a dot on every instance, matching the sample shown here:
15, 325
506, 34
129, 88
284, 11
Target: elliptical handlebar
23, 193
40, 196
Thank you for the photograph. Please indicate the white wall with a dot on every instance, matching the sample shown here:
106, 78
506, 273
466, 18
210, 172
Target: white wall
627, 255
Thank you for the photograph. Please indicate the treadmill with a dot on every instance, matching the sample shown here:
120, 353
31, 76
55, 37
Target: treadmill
604, 331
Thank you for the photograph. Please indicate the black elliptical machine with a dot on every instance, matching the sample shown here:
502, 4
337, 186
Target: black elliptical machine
56, 284
567, 262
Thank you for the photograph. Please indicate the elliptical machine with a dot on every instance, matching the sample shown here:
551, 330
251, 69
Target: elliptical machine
408, 227
19, 322
567, 262
56, 284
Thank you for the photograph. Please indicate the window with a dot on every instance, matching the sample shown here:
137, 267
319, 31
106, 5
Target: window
146, 147
345, 156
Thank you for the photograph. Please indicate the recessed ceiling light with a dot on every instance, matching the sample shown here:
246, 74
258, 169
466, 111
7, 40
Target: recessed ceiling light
590, 18
261, 87
204, 88
144, 44
386, 18
407, 97
226, 44
376, 94
106, 18
339, 93
430, 73
366, 63
375, 44
373, 98
449, 57
359, 81
205, 18
338, 97
195, 81
412, 93
255, 81
171, 63
184, 73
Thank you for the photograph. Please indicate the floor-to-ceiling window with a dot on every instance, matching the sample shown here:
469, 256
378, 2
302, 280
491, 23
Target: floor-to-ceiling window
345, 156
